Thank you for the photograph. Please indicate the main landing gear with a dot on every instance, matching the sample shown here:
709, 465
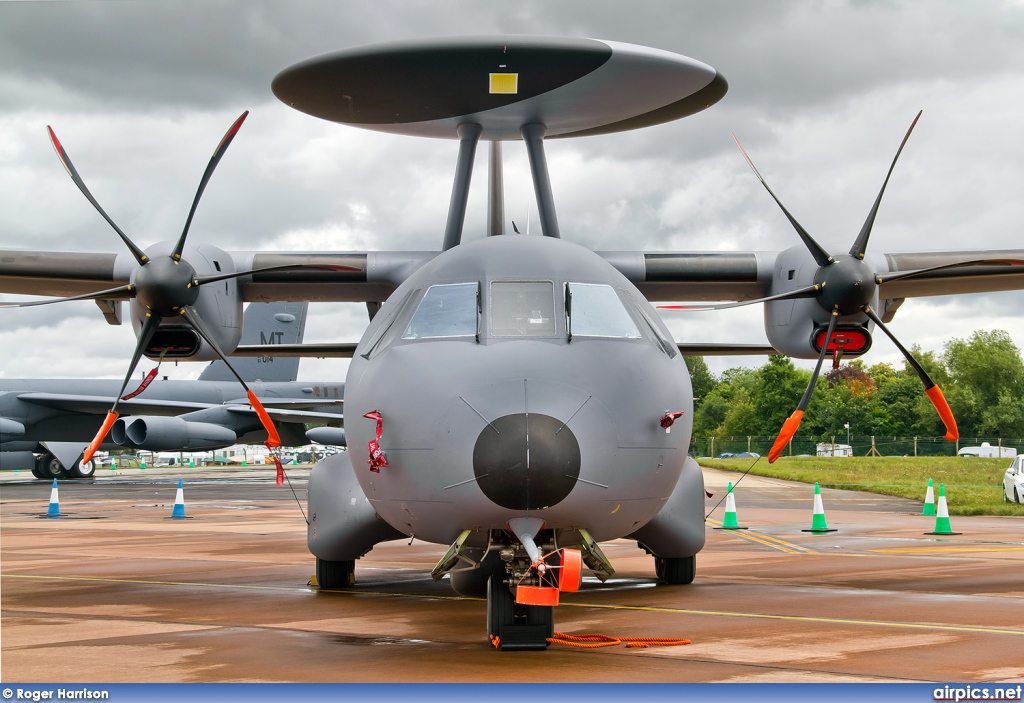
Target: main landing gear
48, 467
676, 572
335, 574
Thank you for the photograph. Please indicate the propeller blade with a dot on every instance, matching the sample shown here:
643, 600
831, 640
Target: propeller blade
65, 160
284, 267
148, 328
931, 390
214, 160
820, 255
273, 438
806, 292
861, 243
118, 292
900, 275
789, 427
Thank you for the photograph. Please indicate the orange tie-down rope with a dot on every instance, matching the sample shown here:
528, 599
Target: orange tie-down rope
593, 641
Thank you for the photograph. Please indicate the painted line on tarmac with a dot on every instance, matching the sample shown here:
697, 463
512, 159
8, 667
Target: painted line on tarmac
767, 540
805, 618
945, 550
600, 606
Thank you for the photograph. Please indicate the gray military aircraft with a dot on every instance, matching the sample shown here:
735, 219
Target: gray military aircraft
46, 424
520, 398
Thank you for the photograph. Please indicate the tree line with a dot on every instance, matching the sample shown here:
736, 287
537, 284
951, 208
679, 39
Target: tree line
982, 378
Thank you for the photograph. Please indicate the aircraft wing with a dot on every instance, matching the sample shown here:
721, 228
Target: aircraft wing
284, 415
372, 276
287, 410
290, 403
99, 405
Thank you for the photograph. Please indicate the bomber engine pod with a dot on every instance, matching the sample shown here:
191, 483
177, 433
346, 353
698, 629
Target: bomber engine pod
165, 433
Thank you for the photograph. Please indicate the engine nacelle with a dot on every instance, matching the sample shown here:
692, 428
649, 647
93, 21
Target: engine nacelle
797, 327
219, 306
334, 436
169, 433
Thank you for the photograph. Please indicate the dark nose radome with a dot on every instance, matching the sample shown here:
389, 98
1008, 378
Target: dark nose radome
526, 461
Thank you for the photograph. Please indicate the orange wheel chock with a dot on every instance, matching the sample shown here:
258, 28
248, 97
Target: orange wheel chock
536, 595
572, 568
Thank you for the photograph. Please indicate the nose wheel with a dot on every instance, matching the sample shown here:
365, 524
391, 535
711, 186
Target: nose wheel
513, 626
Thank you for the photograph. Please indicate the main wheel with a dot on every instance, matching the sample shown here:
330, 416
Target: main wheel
37, 471
335, 574
50, 467
676, 572
86, 470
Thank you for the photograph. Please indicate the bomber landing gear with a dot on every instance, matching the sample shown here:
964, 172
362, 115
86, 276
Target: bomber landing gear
514, 626
335, 574
676, 572
47, 467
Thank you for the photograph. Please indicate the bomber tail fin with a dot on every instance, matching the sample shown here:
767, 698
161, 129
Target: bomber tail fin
265, 323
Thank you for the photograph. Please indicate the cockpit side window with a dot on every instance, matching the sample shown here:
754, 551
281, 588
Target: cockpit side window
594, 310
385, 333
522, 308
667, 345
448, 310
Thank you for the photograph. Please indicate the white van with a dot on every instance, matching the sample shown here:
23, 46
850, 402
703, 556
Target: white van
987, 451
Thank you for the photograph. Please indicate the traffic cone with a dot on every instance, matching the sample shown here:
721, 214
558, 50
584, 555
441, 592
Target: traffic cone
54, 510
929, 500
179, 503
729, 522
818, 523
191, 463
942, 526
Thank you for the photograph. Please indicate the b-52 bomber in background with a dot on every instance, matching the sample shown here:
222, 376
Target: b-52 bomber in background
46, 424
519, 397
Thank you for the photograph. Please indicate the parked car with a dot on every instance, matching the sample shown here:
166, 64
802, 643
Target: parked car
748, 455
725, 455
1013, 481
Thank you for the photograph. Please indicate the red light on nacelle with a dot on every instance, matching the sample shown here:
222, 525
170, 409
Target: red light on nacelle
851, 341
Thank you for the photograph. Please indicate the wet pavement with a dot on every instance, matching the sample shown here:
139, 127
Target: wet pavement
118, 591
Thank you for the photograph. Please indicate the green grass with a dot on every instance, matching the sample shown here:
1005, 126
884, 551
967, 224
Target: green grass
973, 486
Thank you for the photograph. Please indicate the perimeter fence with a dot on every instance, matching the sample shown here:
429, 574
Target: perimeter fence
861, 444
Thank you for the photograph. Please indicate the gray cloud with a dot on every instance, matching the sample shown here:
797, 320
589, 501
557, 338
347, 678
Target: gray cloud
820, 94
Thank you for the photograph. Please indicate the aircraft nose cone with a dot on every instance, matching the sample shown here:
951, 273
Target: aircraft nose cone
526, 461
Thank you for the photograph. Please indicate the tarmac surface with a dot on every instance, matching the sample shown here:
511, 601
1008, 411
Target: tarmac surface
115, 590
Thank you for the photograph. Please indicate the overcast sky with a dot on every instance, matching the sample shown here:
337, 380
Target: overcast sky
820, 94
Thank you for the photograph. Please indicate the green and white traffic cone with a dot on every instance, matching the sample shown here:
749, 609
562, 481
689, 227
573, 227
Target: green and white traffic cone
818, 523
929, 500
730, 522
942, 526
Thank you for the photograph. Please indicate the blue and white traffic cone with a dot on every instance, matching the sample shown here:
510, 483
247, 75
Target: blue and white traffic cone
179, 503
929, 500
818, 523
54, 510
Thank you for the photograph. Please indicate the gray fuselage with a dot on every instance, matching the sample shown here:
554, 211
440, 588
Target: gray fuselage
513, 418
